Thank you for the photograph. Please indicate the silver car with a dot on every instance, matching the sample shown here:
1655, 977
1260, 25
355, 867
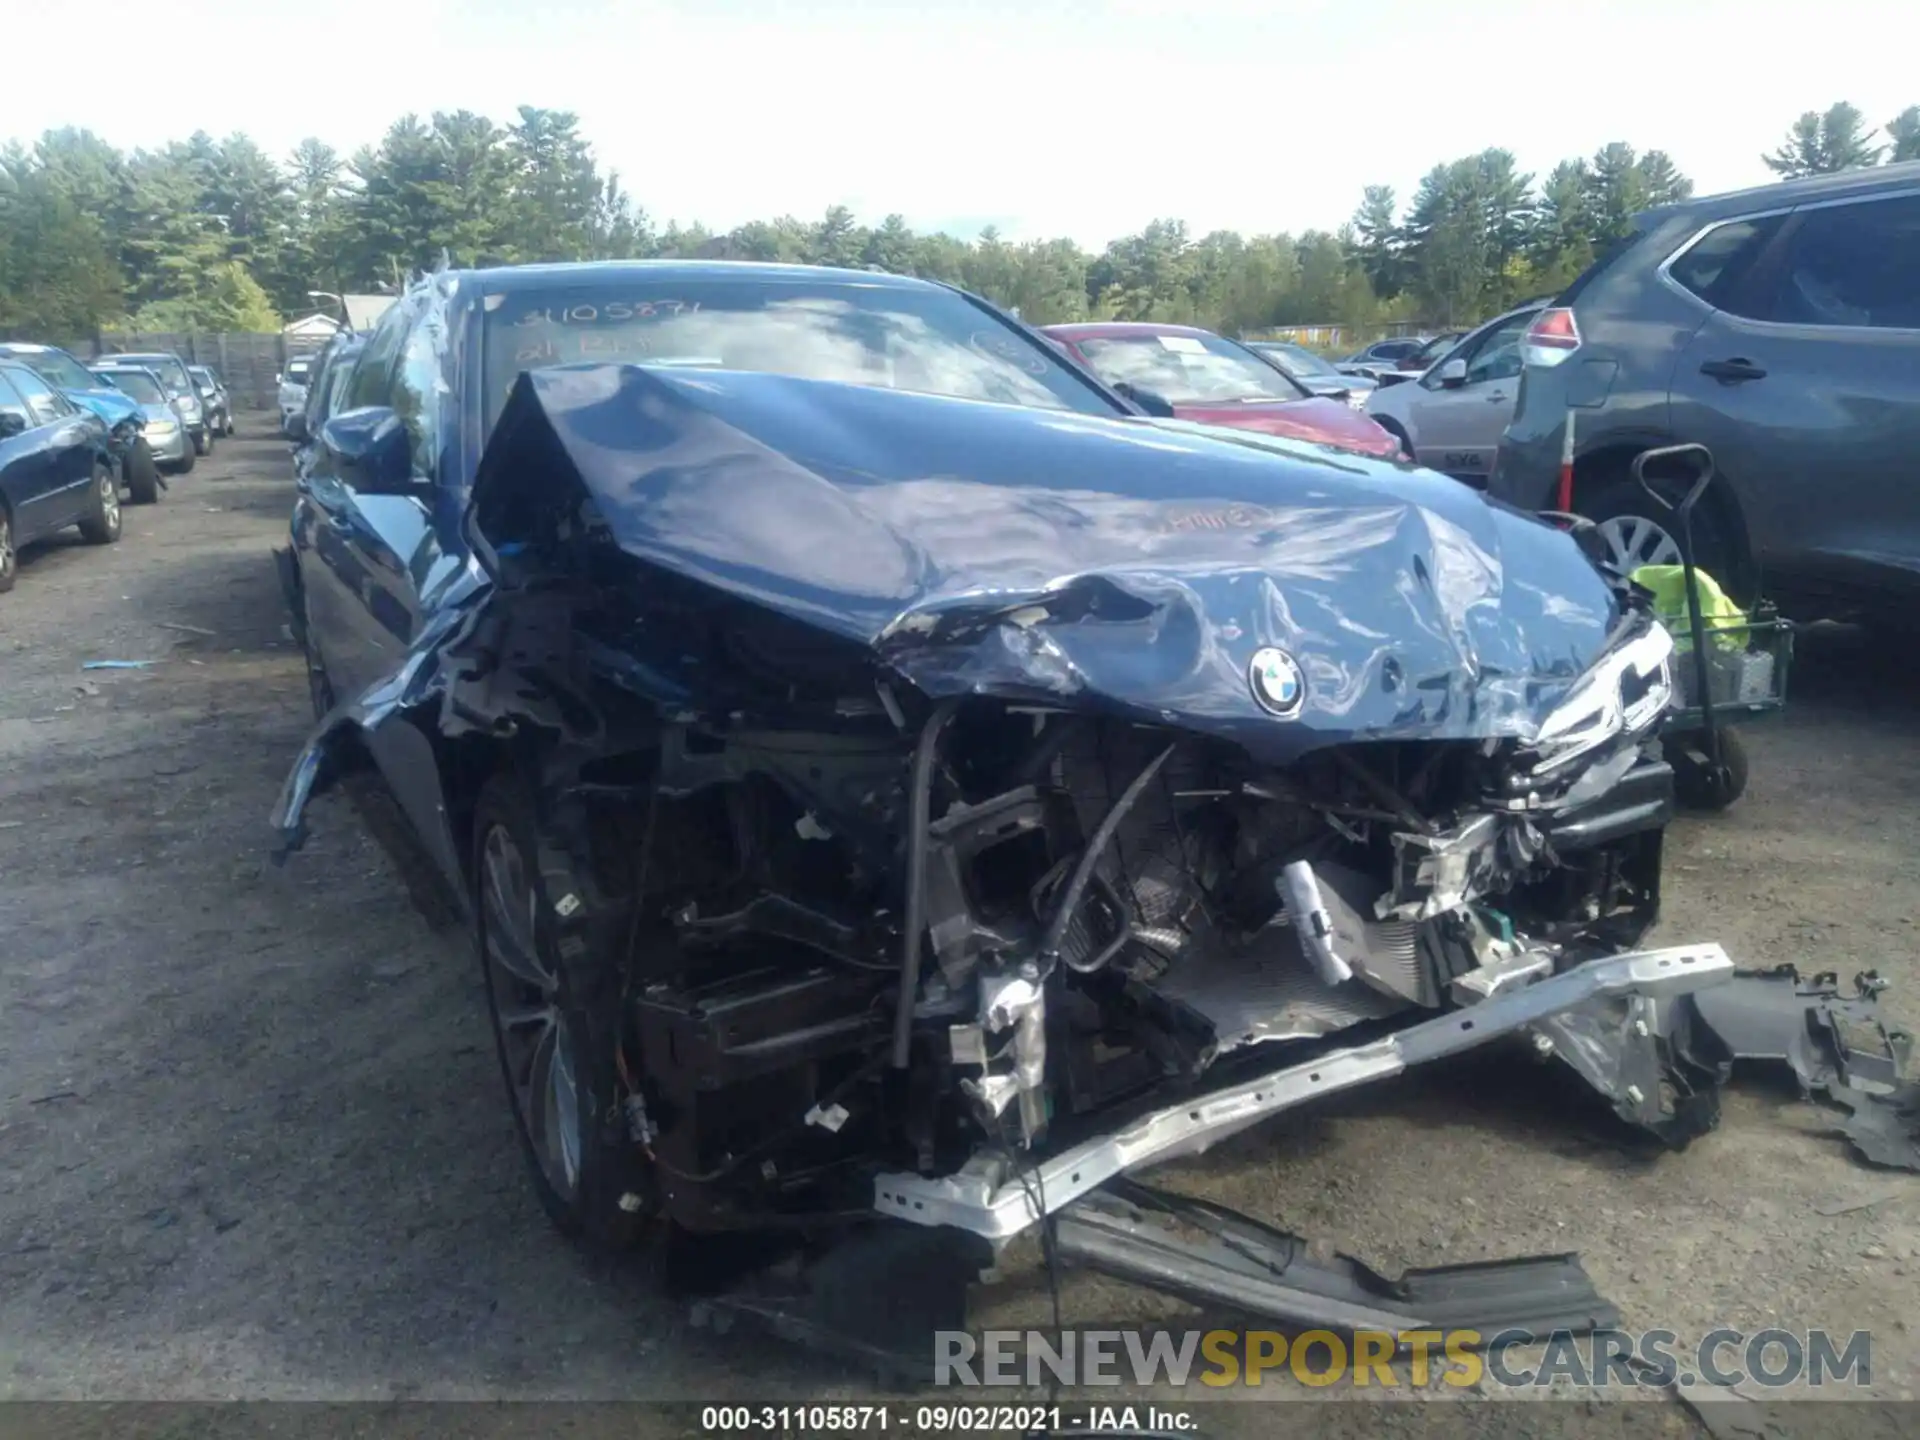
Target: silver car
1452, 417
163, 431
293, 389
1312, 371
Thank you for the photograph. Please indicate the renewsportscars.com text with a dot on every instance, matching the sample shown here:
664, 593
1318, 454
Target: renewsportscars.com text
1412, 1359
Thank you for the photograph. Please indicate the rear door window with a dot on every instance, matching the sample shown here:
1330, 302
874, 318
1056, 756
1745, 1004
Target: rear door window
1856, 264
1714, 265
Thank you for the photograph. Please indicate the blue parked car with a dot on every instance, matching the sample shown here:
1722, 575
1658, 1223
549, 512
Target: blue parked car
133, 458
56, 468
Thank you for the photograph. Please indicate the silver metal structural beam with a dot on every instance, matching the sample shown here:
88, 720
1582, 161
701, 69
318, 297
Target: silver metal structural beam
982, 1198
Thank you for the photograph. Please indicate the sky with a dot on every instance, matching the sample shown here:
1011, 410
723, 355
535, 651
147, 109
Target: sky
1078, 118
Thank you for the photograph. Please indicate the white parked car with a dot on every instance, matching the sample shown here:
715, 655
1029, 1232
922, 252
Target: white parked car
1452, 417
293, 388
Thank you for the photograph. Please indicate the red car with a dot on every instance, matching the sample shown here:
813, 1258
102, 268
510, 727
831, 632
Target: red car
1216, 381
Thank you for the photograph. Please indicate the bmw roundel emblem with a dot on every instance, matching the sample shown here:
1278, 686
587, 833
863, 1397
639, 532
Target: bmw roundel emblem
1277, 682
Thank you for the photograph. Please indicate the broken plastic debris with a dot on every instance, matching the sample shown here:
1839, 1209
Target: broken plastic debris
830, 1119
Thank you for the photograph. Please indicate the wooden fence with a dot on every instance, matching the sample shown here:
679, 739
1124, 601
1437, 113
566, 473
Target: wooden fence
250, 364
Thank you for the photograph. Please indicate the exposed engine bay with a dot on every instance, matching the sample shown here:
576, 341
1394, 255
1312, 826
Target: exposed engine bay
992, 928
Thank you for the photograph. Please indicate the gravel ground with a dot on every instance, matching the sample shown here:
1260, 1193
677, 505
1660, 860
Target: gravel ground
255, 1145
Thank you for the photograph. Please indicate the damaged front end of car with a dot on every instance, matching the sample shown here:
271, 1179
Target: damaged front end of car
977, 805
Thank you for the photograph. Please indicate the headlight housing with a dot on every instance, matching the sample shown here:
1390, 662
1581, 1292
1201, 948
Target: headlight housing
1625, 693
186, 405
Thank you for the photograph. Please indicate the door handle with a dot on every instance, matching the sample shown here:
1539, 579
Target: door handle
1733, 371
1497, 397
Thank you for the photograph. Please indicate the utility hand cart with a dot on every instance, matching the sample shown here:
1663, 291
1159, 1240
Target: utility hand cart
1726, 662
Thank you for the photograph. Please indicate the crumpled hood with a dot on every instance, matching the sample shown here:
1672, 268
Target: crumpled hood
112, 406
1042, 555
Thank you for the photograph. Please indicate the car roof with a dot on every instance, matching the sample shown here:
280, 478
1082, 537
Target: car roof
1806, 190
143, 355
506, 279
25, 347
1119, 329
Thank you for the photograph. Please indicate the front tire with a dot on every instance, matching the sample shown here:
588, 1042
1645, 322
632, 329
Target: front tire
9, 558
203, 442
184, 465
556, 1025
141, 474
102, 525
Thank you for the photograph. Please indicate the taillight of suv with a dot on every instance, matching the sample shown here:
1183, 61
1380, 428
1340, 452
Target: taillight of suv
1553, 336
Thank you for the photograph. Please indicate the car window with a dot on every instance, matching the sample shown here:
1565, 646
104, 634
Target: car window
1298, 361
1853, 265
58, 369
1187, 369
920, 338
42, 403
139, 386
1715, 264
369, 383
1497, 355
417, 389
10, 402
172, 373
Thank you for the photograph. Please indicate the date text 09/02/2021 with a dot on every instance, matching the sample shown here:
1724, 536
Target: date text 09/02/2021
1090, 1420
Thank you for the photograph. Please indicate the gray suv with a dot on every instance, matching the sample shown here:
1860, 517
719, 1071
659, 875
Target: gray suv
1781, 328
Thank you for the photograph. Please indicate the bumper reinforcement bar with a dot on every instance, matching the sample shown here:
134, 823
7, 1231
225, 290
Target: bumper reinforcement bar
986, 1200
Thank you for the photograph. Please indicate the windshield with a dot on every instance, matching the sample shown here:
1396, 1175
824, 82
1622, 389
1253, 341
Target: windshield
58, 369
932, 341
139, 385
172, 373
298, 371
1298, 361
202, 374
1187, 369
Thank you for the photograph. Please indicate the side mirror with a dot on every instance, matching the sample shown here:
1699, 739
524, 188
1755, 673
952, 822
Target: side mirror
297, 428
1150, 401
12, 423
1451, 374
369, 451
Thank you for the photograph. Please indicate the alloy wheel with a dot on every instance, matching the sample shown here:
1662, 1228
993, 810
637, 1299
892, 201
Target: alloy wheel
1634, 540
6, 546
110, 499
535, 1039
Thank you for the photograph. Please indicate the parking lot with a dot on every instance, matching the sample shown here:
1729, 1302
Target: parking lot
255, 1139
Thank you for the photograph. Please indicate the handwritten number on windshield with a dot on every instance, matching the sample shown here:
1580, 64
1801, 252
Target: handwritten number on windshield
607, 312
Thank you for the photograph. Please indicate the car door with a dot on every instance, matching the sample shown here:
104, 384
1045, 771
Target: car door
336, 589
381, 553
1805, 384
26, 470
1456, 428
60, 432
